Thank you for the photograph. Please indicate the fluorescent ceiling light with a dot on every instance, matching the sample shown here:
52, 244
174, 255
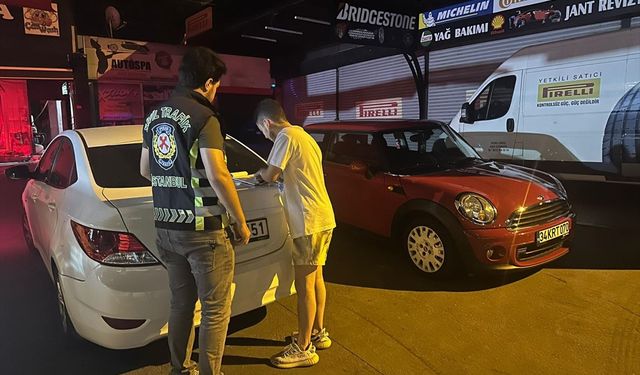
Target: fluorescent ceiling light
283, 30
312, 20
259, 38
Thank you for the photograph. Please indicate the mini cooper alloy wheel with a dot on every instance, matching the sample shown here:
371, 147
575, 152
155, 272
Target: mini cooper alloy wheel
426, 249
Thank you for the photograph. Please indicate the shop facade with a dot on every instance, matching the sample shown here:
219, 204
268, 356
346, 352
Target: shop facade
34, 107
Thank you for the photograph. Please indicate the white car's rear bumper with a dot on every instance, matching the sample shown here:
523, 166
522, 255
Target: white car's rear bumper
142, 293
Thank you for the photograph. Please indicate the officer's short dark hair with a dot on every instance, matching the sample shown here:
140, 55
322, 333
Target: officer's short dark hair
198, 65
271, 109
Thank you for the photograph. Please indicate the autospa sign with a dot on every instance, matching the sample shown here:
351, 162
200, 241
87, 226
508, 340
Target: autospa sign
124, 59
519, 18
379, 109
363, 22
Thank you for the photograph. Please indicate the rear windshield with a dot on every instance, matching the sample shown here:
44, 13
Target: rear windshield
118, 166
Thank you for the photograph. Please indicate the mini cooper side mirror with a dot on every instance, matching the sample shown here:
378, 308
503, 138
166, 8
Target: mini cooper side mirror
467, 115
20, 172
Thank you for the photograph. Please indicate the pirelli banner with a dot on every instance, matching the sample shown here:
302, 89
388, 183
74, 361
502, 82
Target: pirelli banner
376, 23
484, 20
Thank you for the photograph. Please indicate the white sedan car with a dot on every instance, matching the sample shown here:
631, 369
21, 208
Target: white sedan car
89, 214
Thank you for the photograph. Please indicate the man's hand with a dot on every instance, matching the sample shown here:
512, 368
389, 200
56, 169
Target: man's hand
242, 233
270, 174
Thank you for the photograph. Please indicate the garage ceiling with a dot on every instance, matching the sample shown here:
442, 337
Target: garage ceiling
163, 21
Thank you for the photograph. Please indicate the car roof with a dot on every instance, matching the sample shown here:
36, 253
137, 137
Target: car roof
111, 135
371, 126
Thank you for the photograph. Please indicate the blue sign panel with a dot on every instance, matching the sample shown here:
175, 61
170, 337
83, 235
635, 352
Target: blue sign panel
454, 13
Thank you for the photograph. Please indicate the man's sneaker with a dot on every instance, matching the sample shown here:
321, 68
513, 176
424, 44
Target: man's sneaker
293, 356
319, 339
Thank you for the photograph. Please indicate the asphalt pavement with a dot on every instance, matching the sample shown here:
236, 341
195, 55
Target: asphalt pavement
578, 315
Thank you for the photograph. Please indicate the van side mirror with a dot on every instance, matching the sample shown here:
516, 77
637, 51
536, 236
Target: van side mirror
20, 172
467, 115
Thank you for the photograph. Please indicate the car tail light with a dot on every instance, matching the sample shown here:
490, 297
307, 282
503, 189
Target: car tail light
112, 248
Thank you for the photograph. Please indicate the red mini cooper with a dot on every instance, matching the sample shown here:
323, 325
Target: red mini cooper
420, 182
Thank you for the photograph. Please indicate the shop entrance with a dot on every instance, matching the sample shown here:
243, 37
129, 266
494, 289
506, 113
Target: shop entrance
15, 130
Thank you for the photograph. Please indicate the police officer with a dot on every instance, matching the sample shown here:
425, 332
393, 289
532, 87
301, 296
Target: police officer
193, 197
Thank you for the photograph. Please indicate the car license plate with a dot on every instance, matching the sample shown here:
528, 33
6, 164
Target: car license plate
259, 229
549, 234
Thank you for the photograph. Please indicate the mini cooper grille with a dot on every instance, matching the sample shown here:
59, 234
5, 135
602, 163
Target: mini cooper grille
534, 251
538, 214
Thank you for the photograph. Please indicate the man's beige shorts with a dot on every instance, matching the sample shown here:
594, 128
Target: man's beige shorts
312, 250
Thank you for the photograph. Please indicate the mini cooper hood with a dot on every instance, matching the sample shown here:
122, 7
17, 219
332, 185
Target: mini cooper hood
509, 186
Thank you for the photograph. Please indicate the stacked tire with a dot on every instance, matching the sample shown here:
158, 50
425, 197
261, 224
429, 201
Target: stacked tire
621, 140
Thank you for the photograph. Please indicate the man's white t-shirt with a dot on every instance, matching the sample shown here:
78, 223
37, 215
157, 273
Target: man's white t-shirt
307, 203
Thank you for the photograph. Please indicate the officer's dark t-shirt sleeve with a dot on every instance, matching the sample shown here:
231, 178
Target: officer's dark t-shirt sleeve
211, 135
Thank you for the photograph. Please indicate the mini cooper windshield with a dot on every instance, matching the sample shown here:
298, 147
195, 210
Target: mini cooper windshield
432, 148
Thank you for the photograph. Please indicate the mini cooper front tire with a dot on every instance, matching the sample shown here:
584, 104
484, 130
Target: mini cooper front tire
429, 247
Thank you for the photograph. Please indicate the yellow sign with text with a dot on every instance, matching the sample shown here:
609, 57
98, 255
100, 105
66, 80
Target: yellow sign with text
582, 89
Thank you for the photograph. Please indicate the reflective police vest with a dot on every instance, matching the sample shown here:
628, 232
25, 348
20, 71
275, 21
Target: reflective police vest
183, 199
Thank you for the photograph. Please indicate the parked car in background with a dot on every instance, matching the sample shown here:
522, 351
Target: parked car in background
420, 182
89, 214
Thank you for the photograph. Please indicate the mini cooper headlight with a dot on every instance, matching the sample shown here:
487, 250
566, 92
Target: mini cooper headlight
476, 208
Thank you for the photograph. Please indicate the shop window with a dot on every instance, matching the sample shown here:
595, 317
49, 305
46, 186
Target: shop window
64, 173
495, 100
46, 163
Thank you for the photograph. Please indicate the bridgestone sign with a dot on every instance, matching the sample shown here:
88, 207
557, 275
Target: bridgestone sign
376, 17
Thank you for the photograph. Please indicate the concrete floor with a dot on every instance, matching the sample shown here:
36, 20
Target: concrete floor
579, 315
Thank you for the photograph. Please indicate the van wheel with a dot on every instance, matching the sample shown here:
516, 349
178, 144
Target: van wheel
26, 233
67, 329
429, 247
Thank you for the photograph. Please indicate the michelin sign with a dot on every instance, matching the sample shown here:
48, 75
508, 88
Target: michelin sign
454, 13
469, 9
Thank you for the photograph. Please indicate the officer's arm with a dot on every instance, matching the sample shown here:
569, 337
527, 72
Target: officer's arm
222, 182
145, 170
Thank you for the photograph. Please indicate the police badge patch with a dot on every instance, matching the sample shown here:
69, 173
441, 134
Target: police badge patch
164, 145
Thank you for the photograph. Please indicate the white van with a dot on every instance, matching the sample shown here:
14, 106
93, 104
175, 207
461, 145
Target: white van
571, 107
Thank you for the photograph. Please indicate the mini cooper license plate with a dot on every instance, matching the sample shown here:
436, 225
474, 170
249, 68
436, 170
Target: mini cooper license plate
549, 234
259, 229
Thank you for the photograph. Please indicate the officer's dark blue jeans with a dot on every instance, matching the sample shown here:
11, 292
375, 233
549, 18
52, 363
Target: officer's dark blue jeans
200, 266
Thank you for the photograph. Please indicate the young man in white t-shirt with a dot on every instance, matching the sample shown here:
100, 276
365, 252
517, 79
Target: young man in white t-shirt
297, 158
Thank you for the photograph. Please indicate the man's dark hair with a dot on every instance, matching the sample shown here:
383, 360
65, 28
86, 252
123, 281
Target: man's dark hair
198, 65
271, 109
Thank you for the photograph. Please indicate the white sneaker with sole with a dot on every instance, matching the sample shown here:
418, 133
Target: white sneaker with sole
293, 356
320, 339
